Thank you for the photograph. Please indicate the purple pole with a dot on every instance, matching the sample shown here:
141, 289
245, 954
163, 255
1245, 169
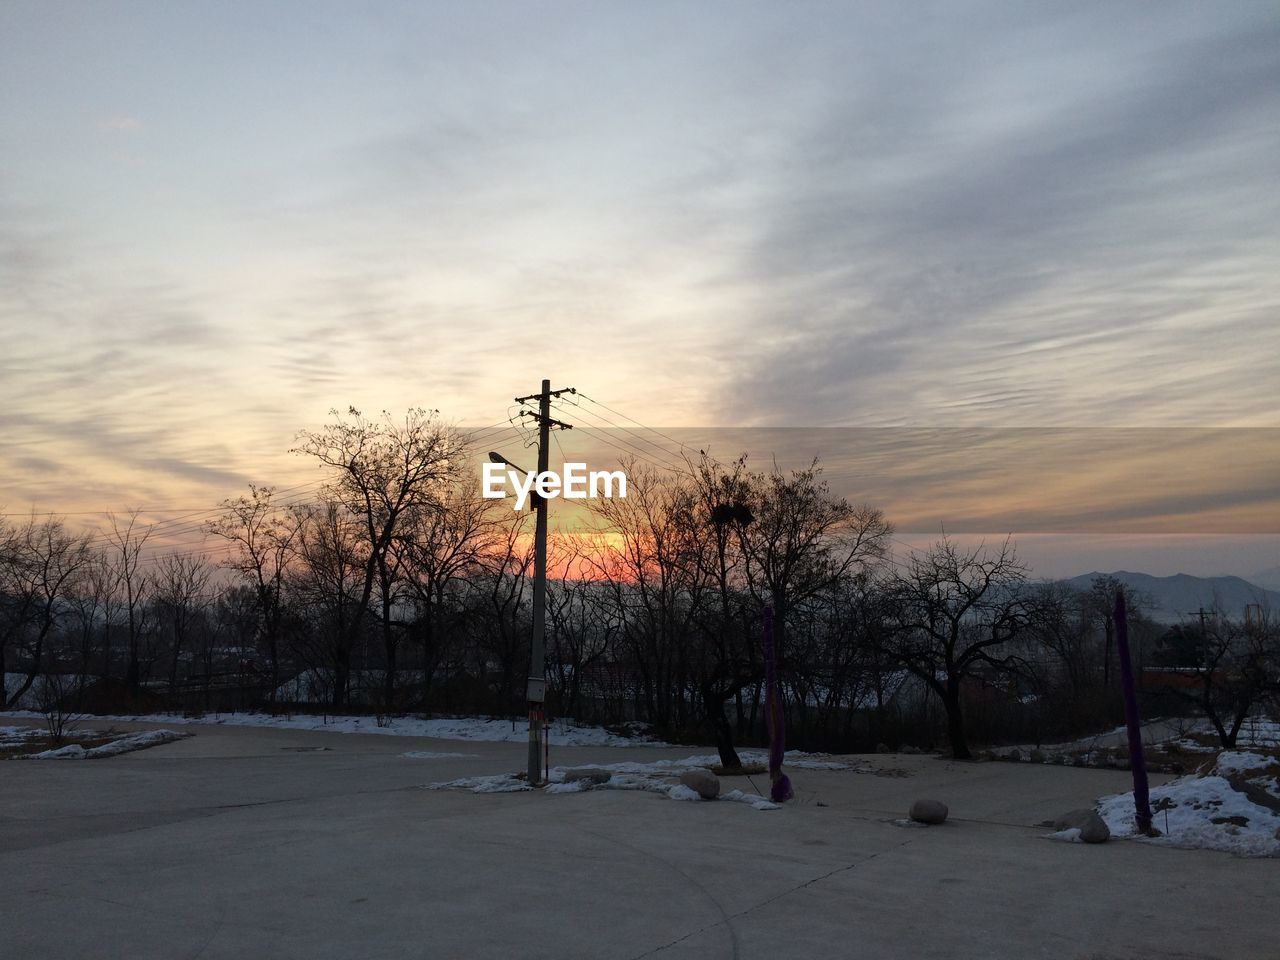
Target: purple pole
781, 789
1137, 761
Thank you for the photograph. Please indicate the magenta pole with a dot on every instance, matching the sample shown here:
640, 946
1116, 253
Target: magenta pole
1137, 761
781, 789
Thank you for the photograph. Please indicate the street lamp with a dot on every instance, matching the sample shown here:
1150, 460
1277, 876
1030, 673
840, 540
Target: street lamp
499, 458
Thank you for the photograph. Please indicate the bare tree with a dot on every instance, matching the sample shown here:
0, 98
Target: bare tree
803, 542
92, 608
436, 548
1101, 604
18, 597
500, 619
1235, 669
580, 625
181, 598
385, 470
43, 561
126, 541
330, 587
726, 660
953, 613
262, 536
648, 555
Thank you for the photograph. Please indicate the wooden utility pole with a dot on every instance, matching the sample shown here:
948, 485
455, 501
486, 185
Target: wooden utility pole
537, 660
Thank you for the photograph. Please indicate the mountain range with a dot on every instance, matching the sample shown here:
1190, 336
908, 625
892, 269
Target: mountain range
1180, 597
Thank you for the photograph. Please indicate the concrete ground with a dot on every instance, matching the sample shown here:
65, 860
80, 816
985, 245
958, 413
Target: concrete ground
250, 843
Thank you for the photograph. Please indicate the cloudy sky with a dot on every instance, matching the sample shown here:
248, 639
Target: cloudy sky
220, 220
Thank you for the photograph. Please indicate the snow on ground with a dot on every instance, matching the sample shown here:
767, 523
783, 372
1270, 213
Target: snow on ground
509, 783
562, 733
125, 744
1164, 740
434, 755
17, 736
795, 759
499, 783
653, 777
1237, 761
751, 799
1213, 810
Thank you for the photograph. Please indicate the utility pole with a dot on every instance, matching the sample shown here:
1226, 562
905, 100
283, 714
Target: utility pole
537, 661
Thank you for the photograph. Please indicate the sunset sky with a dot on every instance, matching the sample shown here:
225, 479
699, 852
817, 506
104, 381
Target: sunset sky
220, 220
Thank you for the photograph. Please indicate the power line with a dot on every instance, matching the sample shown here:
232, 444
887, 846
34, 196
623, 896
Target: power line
674, 463
628, 450
642, 439
682, 446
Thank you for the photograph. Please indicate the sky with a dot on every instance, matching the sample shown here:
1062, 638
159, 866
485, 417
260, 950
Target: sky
219, 221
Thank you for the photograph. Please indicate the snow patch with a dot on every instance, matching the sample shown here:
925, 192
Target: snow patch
136, 741
1236, 761
753, 800
646, 778
499, 783
575, 786
1199, 812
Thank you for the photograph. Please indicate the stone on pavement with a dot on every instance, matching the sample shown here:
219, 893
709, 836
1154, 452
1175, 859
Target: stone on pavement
706, 783
931, 812
1093, 829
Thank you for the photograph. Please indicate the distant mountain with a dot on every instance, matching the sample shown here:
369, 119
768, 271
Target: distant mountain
1179, 597
1269, 578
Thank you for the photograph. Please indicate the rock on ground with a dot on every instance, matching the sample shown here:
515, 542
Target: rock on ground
706, 783
928, 811
1093, 829
586, 773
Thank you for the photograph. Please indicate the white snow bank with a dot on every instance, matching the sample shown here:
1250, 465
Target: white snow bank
498, 783
751, 799
1238, 761
136, 741
16, 736
638, 778
1199, 812
72, 751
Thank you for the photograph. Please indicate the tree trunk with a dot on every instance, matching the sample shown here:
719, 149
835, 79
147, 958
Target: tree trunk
388, 645
341, 673
713, 707
955, 726
389, 677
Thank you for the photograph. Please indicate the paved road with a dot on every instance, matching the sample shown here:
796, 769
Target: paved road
243, 843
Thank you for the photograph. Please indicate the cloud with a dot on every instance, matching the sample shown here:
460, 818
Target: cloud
1102, 199
121, 124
